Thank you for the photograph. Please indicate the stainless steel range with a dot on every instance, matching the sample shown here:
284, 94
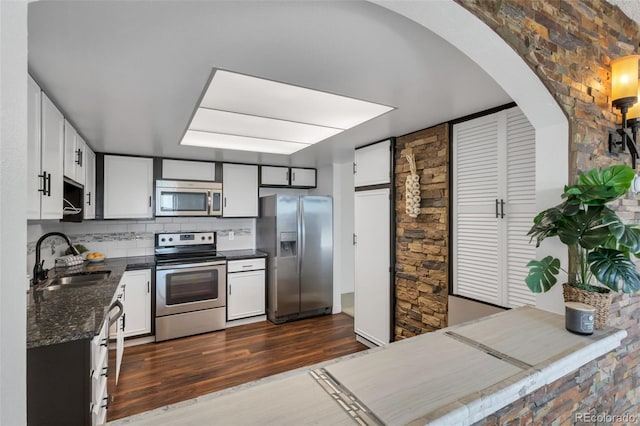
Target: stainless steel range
190, 285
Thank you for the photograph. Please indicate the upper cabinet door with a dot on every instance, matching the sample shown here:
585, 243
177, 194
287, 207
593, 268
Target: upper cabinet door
373, 164
90, 184
70, 150
34, 178
188, 170
128, 187
81, 148
274, 176
52, 159
240, 190
303, 177
74, 147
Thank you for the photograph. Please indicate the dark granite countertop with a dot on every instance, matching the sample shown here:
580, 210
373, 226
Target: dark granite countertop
242, 254
68, 314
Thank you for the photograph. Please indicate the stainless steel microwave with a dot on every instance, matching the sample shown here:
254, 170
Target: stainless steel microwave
188, 198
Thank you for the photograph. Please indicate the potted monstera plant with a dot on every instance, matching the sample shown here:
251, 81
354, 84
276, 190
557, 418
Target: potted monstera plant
601, 245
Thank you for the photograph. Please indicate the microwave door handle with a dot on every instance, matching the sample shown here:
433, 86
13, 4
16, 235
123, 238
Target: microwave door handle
209, 203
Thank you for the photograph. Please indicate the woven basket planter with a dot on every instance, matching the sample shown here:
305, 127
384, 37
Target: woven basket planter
600, 301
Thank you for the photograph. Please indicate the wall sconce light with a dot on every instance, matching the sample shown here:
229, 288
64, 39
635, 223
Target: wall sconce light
625, 94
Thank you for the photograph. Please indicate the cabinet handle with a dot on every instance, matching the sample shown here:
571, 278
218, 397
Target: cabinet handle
148, 287
286, 176
106, 402
104, 342
225, 201
229, 289
44, 183
247, 266
105, 371
124, 321
502, 208
293, 176
497, 214
79, 157
89, 198
49, 185
149, 200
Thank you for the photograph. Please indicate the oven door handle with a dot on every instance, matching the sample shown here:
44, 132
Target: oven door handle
200, 265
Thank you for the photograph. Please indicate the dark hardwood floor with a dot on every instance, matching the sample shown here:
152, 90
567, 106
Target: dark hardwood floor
156, 374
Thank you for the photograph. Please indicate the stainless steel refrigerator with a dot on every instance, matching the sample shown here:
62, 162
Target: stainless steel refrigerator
297, 233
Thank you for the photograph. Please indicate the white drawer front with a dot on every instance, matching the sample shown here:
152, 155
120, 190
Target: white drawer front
245, 265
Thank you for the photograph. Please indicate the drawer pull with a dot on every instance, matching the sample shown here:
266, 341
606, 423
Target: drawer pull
105, 371
247, 266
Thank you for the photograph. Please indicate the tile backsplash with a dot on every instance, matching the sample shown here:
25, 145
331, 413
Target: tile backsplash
132, 238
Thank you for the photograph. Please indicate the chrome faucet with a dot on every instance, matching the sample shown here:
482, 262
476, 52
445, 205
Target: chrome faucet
39, 273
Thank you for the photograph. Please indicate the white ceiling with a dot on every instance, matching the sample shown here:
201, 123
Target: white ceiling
129, 74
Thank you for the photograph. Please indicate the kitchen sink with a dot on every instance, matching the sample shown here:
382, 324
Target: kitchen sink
79, 279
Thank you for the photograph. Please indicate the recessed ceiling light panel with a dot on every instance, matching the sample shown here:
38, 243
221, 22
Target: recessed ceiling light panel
212, 120
240, 143
253, 114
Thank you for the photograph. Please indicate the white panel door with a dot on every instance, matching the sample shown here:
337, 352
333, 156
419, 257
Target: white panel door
35, 180
272, 175
303, 177
245, 294
239, 190
373, 164
89, 210
137, 306
128, 187
52, 159
372, 288
71, 157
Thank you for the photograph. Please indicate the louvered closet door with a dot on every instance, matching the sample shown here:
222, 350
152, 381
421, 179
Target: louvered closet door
494, 159
520, 207
475, 227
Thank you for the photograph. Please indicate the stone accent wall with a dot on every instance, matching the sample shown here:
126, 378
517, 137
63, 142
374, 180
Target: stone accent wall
569, 45
422, 243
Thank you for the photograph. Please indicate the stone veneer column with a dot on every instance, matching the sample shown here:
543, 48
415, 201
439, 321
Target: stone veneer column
422, 243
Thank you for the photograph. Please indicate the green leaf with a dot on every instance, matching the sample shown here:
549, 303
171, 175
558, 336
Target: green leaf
542, 274
584, 228
611, 219
614, 270
630, 238
619, 175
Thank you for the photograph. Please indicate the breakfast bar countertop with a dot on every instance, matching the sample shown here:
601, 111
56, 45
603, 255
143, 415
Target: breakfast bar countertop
490, 363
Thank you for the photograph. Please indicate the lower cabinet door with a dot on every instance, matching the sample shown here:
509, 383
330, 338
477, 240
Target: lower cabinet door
245, 294
137, 307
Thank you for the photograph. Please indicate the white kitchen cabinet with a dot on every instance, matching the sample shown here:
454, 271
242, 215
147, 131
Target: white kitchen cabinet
51, 160
74, 147
372, 165
89, 210
188, 170
128, 187
372, 286
137, 306
34, 149
239, 190
245, 288
303, 177
274, 176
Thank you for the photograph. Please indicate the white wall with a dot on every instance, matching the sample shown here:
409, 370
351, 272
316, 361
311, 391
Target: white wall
13, 187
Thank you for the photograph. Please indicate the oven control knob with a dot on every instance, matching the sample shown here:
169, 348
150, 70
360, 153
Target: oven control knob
170, 239
203, 237
210, 237
162, 240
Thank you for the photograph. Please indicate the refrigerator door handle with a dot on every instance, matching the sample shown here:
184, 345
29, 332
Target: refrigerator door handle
300, 234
